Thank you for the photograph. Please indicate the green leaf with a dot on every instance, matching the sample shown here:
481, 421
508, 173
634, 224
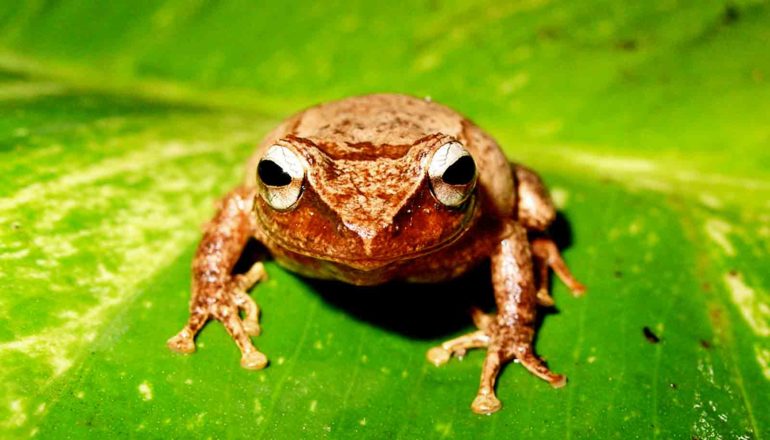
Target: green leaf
123, 122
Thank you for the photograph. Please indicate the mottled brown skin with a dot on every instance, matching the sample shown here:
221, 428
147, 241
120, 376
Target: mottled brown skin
368, 213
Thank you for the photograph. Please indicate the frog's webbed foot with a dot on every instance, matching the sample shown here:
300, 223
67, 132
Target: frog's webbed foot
225, 307
546, 255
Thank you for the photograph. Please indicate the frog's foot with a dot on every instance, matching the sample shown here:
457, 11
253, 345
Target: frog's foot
250, 308
544, 298
227, 312
486, 402
242, 283
255, 274
184, 341
535, 365
254, 360
547, 255
251, 358
481, 319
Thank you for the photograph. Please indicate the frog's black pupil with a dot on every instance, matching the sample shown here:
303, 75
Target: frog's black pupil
461, 172
272, 174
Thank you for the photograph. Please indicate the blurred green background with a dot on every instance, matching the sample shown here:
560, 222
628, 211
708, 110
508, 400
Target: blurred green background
121, 122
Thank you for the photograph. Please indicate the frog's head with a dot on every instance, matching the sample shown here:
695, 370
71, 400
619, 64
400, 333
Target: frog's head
365, 205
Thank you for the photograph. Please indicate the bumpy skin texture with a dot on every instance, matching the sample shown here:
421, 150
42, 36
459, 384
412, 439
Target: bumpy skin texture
367, 214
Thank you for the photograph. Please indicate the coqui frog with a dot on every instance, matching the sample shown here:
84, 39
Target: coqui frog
378, 188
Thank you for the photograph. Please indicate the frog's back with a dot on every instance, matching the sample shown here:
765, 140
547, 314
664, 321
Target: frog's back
375, 125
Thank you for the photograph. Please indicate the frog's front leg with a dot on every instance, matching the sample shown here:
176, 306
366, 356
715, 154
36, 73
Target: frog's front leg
512, 331
460, 345
509, 334
218, 294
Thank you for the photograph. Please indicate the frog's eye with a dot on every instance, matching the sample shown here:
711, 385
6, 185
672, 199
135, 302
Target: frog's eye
280, 171
452, 173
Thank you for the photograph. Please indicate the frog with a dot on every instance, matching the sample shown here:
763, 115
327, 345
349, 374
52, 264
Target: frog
385, 188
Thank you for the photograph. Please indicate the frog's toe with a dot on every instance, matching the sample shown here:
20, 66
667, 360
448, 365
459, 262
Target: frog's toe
536, 366
438, 356
578, 288
252, 328
481, 319
558, 381
544, 298
486, 404
181, 343
254, 360
245, 303
457, 347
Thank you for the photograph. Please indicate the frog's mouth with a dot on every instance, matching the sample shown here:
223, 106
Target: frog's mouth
368, 250
373, 261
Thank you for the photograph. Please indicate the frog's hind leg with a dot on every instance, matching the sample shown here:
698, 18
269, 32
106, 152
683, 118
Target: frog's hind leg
546, 254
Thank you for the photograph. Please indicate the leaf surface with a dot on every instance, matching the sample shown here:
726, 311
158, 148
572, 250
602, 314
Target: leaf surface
122, 123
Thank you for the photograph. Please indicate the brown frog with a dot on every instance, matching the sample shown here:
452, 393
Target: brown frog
378, 188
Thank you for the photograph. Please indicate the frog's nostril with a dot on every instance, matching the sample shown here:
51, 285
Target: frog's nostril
272, 174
